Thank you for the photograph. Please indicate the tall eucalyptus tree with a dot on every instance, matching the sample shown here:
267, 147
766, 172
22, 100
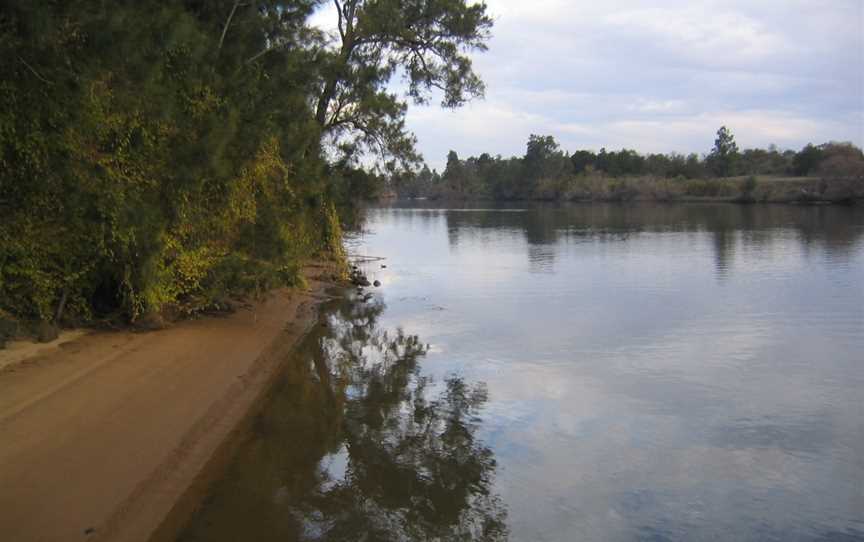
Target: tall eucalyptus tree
426, 41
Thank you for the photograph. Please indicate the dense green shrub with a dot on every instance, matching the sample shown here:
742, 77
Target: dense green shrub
143, 165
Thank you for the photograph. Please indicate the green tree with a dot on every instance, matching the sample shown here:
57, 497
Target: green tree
428, 41
723, 156
152, 164
807, 160
581, 159
454, 174
540, 149
543, 161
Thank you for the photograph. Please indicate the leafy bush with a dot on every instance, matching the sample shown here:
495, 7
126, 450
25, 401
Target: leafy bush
709, 188
146, 165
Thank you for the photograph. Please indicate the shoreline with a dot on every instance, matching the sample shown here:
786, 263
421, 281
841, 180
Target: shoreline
636, 200
742, 190
116, 435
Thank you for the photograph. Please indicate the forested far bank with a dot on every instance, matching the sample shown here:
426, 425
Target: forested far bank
163, 156
828, 172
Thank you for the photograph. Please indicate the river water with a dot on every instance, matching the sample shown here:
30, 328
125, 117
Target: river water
593, 372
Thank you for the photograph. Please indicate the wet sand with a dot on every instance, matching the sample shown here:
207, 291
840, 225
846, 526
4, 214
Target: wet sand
114, 435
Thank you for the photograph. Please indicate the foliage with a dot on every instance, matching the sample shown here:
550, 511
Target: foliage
723, 156
841, 160
748, 186
546, 172
807, 160
543, 160
707, 189
414, 464
427, 41
157, 154
414, 184
145, 162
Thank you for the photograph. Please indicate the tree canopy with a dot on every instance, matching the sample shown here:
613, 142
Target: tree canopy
722, 158
548, 172
426, 41
162, 154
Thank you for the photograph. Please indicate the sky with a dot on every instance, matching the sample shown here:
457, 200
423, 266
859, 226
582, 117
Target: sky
658, 76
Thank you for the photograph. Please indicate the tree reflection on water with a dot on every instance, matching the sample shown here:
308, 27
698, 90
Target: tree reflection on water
355, 443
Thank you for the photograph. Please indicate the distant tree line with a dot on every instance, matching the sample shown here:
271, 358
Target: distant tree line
546, 170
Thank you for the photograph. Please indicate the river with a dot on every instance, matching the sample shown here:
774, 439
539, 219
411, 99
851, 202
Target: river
587, 372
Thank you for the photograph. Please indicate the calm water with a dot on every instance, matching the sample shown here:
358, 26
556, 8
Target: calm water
608, 373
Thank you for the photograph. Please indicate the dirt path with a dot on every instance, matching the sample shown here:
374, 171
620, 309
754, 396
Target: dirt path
102, 438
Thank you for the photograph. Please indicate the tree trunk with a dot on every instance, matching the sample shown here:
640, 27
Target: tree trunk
344, 56
61, 305
324, 101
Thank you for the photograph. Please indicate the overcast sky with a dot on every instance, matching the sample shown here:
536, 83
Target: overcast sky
659, 76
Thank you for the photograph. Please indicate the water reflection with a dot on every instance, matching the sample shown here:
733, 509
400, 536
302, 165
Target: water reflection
356, 444
723, 242
655, 372
818, 228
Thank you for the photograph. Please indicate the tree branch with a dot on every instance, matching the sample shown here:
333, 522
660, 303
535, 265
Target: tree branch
349, 16
228, 23
34, 72
339, 24
259, 54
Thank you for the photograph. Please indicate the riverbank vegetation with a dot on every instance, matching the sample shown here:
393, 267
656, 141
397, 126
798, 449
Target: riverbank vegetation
831, 172
163, 156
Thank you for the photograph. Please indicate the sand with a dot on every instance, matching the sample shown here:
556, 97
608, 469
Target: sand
114, 435
16, 352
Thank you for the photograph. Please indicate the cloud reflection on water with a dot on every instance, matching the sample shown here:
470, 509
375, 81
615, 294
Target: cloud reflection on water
668, 373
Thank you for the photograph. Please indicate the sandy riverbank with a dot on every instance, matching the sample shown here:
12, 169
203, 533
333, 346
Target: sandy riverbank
106, 436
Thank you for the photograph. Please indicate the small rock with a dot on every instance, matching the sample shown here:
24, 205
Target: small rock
89, 530
383, 266
358, 279
376, 283
46, 332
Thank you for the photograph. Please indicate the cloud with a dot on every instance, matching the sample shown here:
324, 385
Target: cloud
754, 128
661, 78
486, 126
644, 105
657, 79
709, 38
645, 125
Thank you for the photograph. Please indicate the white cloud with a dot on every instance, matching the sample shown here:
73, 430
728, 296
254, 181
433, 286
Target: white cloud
755, 128
659, 78
483, 126
700, 34
644, 105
